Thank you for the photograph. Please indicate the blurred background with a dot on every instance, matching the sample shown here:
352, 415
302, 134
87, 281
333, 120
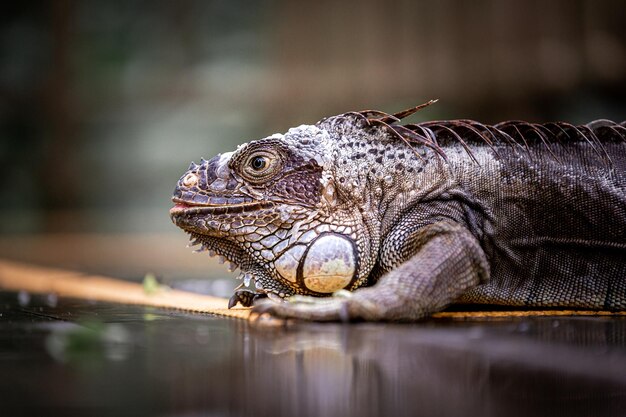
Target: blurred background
104, 103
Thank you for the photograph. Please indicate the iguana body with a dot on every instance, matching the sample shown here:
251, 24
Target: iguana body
413, 218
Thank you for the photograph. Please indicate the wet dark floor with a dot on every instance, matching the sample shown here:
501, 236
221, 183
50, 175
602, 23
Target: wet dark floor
76, 358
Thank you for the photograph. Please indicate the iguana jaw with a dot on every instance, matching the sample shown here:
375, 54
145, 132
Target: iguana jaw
221, 206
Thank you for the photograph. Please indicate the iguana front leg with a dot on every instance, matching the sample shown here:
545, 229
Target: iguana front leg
431, 265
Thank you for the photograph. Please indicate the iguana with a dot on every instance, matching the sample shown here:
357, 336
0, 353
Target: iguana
361, 217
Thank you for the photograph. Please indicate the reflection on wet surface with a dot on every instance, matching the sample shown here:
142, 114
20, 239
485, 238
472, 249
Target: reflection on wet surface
70, 357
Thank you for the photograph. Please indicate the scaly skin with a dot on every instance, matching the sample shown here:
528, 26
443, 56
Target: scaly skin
358, 217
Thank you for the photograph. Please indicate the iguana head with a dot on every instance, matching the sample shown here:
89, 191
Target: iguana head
293, 210
272, 208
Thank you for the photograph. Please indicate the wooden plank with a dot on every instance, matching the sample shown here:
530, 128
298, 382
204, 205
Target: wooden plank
24, 277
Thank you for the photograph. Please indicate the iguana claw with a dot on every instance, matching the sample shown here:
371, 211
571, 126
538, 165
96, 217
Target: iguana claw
244, 297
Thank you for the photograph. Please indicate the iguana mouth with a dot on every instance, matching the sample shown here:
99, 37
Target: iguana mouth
218, 205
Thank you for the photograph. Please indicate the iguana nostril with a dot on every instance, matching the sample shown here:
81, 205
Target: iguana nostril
190, 180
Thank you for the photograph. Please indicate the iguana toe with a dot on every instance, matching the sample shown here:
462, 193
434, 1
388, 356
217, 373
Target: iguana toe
305, 308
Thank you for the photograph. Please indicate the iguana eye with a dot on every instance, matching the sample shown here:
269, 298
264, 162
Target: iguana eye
261, 166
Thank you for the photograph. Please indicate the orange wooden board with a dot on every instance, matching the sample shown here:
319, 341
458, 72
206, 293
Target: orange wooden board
17, 277
24, 277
